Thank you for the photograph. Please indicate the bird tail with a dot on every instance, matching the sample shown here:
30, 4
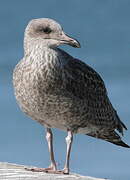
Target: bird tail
110, 136
120, 143
120, 125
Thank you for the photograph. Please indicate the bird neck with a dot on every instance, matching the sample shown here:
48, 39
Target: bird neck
37, 52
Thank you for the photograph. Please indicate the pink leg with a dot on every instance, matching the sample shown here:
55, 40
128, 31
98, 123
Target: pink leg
52, 168
69, 140
49, 137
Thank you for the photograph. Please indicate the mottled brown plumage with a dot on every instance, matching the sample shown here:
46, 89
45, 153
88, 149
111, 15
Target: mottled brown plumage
60, 91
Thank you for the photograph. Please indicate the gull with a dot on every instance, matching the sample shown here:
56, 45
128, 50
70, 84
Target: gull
60, 91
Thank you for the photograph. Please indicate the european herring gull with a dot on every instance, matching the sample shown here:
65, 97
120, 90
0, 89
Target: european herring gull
60, 91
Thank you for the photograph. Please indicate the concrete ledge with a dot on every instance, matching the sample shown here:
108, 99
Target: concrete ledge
10, 171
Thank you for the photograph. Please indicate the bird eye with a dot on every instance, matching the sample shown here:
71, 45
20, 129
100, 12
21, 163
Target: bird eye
46, 30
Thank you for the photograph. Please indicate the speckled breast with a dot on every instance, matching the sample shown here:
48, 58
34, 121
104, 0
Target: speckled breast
42, 97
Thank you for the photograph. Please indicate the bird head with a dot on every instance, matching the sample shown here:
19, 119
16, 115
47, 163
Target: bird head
48, 33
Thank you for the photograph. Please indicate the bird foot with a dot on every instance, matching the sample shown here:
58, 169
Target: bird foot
48, 170
65, 171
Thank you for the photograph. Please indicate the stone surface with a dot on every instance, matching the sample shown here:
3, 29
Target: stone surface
10, 171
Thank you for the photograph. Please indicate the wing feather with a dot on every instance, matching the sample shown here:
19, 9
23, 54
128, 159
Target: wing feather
85, 84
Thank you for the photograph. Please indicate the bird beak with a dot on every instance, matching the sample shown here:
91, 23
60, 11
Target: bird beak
70, 41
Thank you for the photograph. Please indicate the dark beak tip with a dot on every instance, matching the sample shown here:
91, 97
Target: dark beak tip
79, 46
76, 44
70, 41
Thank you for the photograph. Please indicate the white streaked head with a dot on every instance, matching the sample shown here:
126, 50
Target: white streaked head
48, 33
